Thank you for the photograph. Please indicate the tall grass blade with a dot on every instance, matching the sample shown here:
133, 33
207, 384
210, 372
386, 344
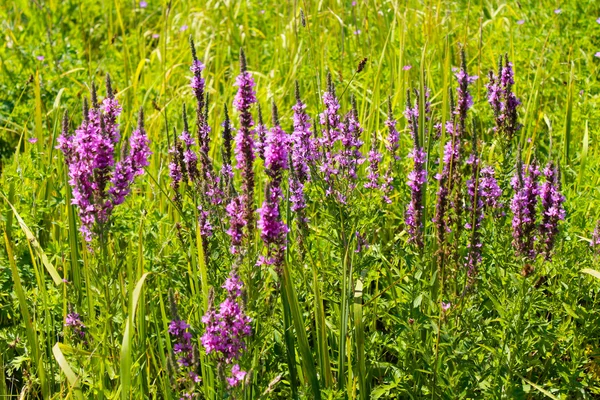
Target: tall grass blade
66, 369
303, 346
127, 339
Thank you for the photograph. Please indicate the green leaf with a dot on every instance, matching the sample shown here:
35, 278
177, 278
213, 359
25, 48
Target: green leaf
127, 339
66, 368
36, 246
592, 272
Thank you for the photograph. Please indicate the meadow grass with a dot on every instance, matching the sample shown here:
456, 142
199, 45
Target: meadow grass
332, 323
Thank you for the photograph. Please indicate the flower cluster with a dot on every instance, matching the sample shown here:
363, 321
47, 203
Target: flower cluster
552, 208
302, 155
272, 228
503, 101
523, 206
244, 142
227, 328
73, 321
416, 178
184, 351
90, 157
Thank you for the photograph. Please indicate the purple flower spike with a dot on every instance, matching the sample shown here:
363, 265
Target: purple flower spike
416, 178
98, 182
552, 209
227, 328
503, 101
303, 153
244, 149
523, 206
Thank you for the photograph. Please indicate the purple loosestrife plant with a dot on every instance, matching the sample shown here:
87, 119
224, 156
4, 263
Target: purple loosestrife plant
190, 158
73, 321
132, 164
261, 134
272, 229
302, 157
226, 170
184, 351
523, 207
227, 328
349, 157
464, 99
552, 209
332, 130
90, 158
235, 211
416, 180
177, 170
503, 101
244, 149
595, 242
392, 145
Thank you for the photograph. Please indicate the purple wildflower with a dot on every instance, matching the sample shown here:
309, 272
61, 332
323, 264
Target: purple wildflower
236, 222
464, 98
552, 208
132, 164
244, 150
227, 328
416, 181
73, 320
595, 242
237, 376
261, 134
503, 101
90, 157
523, 206
272, 229
393, 139
226, 170
276, 150
302, 155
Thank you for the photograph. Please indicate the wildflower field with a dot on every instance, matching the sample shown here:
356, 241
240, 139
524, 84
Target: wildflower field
335, 199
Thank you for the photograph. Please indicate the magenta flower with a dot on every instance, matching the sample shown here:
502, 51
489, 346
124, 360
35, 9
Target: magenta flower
552, 209
416, 178
520, 22
523, 206
143, 4
40, 58
90, 158
557, 11
261, 134
227, 328
237, 376
303, 154
244, 149
503, 101
73, 321
407, 67
597, 54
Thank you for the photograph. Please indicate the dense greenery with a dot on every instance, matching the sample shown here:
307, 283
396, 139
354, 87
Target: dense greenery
386, 321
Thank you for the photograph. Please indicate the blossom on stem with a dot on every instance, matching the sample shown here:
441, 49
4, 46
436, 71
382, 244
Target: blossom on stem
261, 134
552, 208
523, 206
227, 328
302, 155
244, 149
416, 181
90, 158
503, 101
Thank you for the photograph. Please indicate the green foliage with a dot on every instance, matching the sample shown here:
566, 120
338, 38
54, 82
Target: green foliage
337, 324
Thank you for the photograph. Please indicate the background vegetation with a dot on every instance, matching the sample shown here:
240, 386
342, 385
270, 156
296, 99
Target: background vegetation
518, 335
